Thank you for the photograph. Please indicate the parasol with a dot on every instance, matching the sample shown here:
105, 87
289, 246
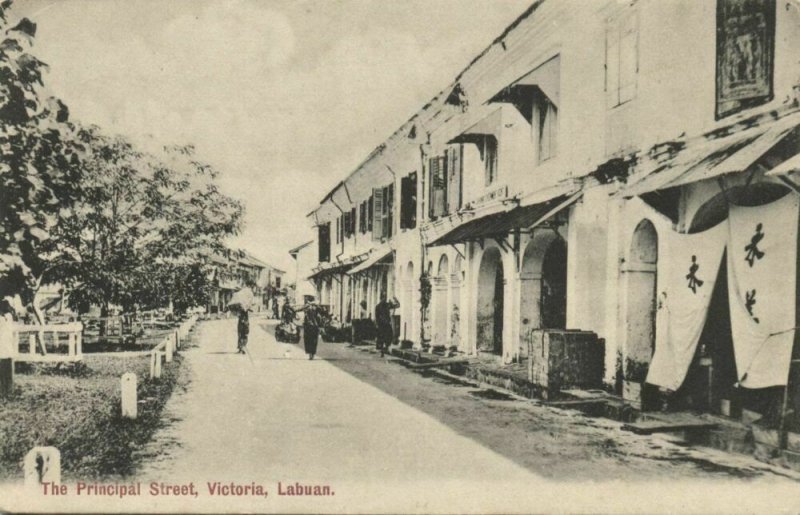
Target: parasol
242, 299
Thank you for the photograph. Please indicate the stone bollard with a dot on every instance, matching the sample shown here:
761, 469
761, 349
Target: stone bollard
42, 465
128, 388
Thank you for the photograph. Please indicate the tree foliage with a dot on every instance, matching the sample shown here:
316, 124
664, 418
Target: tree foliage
40, 172
115, 224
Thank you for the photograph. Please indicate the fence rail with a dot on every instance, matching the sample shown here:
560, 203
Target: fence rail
171, 343
34, 336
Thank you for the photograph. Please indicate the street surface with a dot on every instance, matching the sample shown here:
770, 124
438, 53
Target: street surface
385, 439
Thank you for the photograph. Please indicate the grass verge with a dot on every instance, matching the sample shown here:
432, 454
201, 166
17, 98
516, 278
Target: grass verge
77, 410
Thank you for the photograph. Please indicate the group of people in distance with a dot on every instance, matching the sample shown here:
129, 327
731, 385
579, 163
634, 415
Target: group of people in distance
315, 317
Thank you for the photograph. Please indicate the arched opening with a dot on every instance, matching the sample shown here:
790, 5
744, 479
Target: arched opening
441, 285
554, 285
490, 302
641, 279
365, 296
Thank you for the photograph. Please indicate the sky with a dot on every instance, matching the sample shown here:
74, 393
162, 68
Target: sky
285, 97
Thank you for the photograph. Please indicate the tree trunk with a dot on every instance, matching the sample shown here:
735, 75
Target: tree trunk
104, 319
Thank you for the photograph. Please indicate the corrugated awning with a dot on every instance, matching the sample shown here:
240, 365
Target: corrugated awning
336, 268
500, 224
728, 155
489, 126
377, 257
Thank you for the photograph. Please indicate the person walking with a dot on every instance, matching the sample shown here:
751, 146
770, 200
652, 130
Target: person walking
383, 321
244, 330
312, 321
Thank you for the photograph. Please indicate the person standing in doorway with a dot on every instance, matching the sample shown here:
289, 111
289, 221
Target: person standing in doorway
383, 321
244, 330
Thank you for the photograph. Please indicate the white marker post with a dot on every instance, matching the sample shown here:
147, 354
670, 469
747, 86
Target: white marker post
128, 388
42, 465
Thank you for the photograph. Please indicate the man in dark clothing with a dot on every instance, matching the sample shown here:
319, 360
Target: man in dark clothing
244, 330
383, 320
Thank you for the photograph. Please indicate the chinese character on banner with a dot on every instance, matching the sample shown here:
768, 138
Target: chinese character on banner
753, 252
694, 281
750, 301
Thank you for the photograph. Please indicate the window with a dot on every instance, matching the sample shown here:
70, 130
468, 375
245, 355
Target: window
377, 213
349, 223
362, 217
622, 59
454, 158
370, 212
277, 282
324, 239
488, 151
408, 201
437, 198
545, 118
388, 210
382, 207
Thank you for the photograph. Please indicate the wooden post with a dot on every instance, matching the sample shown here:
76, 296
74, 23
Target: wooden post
169, 348
42, 464
6, 377
128, 390
31, 344
72, 345
79, 338
152, 364
8, 349
158, 355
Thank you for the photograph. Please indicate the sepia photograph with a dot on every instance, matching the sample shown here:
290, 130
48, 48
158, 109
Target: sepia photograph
399, 256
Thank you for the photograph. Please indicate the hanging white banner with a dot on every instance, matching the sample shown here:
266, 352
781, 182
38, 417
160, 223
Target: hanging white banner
762, 274
687, 284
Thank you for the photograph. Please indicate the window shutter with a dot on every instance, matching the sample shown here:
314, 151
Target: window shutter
352, 221
454, 182
404, 201
412, 202
370, 212
439, 188
324, 241
377, 213
433, 170
389, 201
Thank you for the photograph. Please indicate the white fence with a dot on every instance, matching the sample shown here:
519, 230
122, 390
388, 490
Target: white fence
65, 342
165, 350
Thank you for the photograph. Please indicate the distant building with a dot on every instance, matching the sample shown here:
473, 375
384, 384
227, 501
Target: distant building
305, 259
232, 270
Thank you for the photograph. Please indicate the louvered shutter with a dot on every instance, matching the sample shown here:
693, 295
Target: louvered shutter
377, 213
454, 180
433, 170
404, 199
389, 213
411, 207
439, 191
324, 242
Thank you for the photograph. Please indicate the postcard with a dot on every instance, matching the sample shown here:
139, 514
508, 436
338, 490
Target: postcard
382, 256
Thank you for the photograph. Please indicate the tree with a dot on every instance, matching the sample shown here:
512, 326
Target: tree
142, 226
40, 173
